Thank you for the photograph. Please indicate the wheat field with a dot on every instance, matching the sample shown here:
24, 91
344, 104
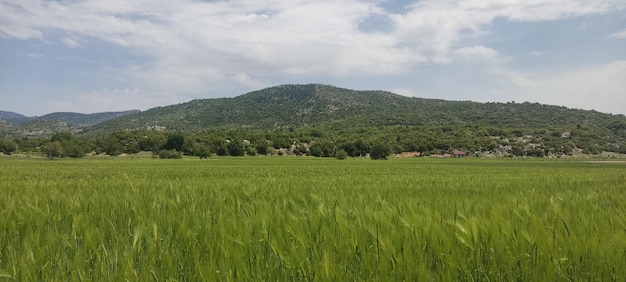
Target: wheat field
304, 219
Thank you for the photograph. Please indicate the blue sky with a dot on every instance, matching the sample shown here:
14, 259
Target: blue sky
94, 56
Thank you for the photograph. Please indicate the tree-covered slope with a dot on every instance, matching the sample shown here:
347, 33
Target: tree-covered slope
12, 117
328, 107
14, 124
83, 120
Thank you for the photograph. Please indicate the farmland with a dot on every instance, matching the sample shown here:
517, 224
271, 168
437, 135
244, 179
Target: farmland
277, 219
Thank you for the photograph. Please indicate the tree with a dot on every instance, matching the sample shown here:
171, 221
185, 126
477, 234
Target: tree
170, 154
281, 141
7, 146
322, 149
52, 150
62, 136
110, 146
251, 150
235, 149
175, 141
380, 151
73, 149
261, 149
202, 150
341, 155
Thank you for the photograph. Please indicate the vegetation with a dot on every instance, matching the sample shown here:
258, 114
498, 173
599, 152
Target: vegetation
380, 152
355, 142
322, 120
328, 108
170, 154
277, 219
76, 119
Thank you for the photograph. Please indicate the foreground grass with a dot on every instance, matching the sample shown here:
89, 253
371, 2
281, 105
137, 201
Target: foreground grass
279, 219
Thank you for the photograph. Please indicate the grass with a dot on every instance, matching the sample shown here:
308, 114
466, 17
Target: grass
277, 219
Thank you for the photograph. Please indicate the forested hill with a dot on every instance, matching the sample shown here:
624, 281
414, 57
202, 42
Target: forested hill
323, 120
327, 107
83, 120
18, 125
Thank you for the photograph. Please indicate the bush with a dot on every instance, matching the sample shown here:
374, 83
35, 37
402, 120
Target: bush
203, 154
170, 154
251, 151
261, 149
380, 151
235, 149
341, 155
52, 150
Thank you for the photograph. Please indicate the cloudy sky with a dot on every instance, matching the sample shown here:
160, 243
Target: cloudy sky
94, 55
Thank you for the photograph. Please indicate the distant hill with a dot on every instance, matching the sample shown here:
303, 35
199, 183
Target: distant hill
19, 125
84, 120
351, 120
324, 106
12, 117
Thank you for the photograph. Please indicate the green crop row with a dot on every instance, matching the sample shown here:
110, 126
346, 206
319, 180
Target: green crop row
278, 219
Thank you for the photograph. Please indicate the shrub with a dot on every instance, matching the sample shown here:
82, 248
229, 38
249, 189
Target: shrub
235, 149
251, 151
341, 155
203, 154
170, 154
380, 151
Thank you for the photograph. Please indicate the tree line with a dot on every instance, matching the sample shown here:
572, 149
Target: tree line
333, 142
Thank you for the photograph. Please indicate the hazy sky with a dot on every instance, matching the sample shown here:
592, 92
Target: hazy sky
110, 55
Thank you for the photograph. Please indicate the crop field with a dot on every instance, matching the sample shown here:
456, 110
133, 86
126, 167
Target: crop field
303, 219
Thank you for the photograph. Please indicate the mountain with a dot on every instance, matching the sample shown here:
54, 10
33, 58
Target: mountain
320, 119
12, 117
19, 125
328, 107
84, 120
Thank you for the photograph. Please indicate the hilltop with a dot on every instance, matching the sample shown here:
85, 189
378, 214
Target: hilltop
328, 107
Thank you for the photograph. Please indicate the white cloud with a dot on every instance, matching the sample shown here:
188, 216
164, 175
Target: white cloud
477, 53
599, 87
72, 42
435, 27
537, 53
620, 34
191, 47
104, 100
403, 91
248, 81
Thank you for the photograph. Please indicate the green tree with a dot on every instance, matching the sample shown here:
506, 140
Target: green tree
62, 136
261, 149
52, 150
251, 150
202, 150
281, 141
7, 147
73, 149
341, 155
235, 149
380, 151
175, 141
170, 154
110, 146
322, 149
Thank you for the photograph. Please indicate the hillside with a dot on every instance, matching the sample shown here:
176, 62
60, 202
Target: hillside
14, 124
328, 107
84, 120
322, 120
12, 117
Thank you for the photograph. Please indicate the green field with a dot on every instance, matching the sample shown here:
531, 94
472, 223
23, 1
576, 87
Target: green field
285, 219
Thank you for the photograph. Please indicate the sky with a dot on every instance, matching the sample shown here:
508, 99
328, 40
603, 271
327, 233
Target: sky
92, 56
